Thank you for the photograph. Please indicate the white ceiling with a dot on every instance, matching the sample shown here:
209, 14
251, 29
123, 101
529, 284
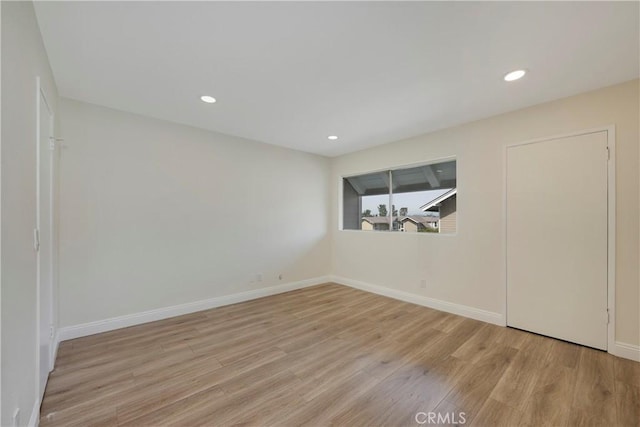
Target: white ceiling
292, 73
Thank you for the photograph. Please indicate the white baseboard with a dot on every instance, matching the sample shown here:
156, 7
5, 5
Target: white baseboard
449, 307
91, 328
34, 420
56, 344
620, 349
627, 351
624, 350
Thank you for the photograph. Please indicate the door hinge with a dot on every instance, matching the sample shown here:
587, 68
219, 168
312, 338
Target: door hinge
608, 154
608, 317
51, 332
36, 239
52, 142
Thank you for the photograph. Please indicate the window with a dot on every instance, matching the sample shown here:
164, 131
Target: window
419, 199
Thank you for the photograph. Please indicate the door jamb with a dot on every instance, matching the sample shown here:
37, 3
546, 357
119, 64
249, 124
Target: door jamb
40, 96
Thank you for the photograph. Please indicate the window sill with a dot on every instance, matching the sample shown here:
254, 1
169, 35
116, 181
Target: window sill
380, 232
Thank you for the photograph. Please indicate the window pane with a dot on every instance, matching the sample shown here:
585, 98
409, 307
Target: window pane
424, 198
365, 202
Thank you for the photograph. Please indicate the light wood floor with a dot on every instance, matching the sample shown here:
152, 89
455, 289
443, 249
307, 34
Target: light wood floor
334, 355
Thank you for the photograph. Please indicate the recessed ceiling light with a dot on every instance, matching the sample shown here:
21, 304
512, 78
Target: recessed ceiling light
332, 137
208, 99
514, 75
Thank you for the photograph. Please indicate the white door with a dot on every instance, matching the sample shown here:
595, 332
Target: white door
557, 238
45, 238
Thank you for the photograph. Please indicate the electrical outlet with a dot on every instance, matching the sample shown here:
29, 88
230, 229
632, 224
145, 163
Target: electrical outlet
280, 276
423, 284
16, 417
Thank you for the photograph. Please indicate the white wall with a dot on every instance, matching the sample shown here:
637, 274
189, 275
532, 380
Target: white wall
468, 268
155, 214
23, 58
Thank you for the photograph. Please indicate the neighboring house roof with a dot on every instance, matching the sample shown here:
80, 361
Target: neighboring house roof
385, 219
376, 219
439, 199
420, 219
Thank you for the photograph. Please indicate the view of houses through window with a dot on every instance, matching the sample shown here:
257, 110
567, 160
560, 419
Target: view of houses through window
420, 199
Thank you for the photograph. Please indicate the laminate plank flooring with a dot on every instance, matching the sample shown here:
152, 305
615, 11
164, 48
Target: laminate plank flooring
332, 355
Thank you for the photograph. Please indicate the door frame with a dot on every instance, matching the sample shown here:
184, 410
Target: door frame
41, 96
611, 222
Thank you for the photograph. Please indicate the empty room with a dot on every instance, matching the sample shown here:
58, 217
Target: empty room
246, 213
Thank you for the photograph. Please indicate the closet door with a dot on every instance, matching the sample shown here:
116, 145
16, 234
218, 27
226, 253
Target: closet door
557, 238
